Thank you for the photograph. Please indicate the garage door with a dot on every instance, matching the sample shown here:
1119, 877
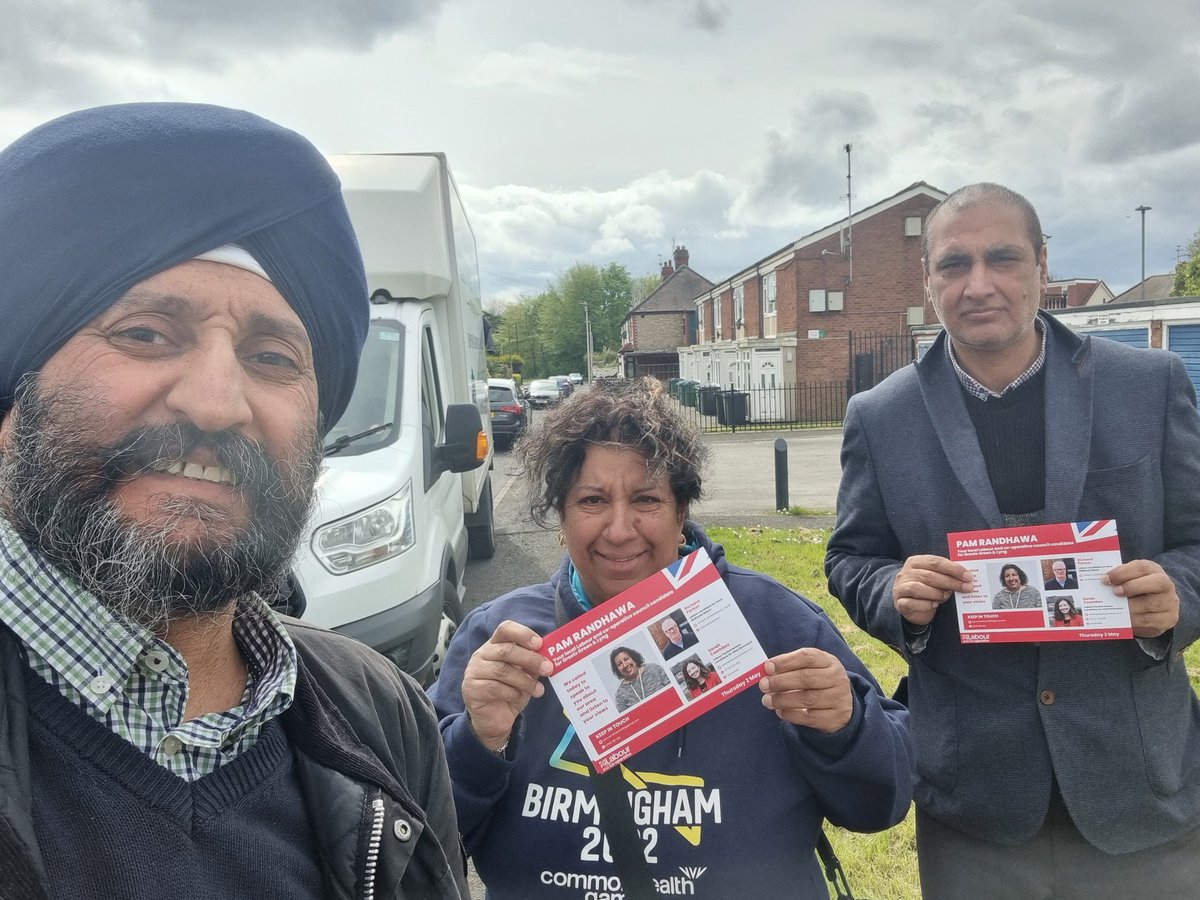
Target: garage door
1134, 337
1185, 340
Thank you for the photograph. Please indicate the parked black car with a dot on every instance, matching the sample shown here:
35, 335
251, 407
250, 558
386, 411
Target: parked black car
510, 416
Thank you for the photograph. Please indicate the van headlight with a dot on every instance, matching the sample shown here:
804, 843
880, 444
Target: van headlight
373, 535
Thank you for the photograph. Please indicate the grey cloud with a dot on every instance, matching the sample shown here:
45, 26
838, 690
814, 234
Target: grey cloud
805, 167
938, 114
1132, 121
70, 51
353, 23
708, 15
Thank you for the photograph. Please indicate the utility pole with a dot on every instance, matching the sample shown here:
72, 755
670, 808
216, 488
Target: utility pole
849, 217
587, 333
1143, 210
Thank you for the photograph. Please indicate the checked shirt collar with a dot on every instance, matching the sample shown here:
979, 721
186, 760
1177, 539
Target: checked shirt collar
977, 390
129, 680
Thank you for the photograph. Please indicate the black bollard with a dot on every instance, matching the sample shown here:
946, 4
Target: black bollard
781, 474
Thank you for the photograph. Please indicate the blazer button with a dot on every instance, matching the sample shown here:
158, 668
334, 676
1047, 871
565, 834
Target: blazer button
402, 830
1047, 697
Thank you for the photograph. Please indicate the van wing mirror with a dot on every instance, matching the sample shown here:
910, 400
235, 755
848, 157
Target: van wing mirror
466, 442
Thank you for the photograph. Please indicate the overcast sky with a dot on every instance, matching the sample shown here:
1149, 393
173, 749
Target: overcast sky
607, 130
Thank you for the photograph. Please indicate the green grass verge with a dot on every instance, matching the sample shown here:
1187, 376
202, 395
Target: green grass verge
881, 866
806, 511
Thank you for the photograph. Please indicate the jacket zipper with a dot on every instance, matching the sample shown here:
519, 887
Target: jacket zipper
374, 842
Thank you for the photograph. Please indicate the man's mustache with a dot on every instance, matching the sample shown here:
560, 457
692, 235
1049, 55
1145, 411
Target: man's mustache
157, 447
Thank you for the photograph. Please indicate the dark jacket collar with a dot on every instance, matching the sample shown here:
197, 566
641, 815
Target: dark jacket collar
1068, 422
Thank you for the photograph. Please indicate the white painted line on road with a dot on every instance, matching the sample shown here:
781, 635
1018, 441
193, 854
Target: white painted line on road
503, 492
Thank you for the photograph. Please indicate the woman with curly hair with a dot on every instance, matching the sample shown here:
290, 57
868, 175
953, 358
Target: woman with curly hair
639, 679
1015, 590
738, 794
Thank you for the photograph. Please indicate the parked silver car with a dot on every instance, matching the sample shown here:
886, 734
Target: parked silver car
543, 392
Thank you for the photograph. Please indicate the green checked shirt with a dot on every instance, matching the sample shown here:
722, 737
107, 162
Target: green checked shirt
130, 681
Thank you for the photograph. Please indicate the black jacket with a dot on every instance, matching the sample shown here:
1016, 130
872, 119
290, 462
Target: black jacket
368, 755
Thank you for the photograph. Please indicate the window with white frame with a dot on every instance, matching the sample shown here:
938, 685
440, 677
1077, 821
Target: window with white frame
768, 305
699, 323
768, 294
716, 317
912, 226
739, 306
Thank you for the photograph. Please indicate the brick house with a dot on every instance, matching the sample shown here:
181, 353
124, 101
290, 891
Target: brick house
655, 329
1068, 293
789, 316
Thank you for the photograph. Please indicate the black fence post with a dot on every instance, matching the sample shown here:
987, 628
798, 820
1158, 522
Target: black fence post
781, 474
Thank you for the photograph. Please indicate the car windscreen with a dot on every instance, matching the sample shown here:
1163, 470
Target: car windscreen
375, 403
544, 386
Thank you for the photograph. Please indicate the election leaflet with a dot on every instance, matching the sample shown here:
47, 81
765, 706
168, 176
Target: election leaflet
696, 651
1040, 583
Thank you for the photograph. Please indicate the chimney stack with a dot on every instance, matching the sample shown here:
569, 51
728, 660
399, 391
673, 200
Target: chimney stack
681, 256
667, 271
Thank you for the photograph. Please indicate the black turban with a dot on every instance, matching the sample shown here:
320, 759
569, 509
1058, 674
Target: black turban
98, 200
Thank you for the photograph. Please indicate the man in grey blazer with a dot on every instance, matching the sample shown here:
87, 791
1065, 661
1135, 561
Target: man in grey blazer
1044, 770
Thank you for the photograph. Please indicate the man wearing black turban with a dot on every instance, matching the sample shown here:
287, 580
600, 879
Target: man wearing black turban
182, 306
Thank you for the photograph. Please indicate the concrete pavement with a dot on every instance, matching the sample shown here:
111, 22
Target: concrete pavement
740, 481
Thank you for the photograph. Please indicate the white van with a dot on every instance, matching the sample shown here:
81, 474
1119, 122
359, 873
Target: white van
406, 486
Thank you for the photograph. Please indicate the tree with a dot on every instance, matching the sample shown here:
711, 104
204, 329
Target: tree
518, 335
548, 330
1187, 273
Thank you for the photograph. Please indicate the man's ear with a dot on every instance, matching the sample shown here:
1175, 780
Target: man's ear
5, 427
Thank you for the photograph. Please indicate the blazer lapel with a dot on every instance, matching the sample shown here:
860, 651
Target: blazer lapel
1069, 383
942, 393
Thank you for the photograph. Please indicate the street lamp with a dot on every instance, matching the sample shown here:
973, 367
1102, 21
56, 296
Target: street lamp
1143, 210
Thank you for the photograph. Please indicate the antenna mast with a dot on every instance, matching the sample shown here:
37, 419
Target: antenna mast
849, 218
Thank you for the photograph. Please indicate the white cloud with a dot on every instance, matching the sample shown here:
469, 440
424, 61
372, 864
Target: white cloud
541, 68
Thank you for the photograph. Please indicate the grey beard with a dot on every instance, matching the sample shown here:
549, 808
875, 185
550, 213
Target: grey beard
56, 488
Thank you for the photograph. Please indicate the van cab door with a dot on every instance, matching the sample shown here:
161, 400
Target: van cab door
443, 492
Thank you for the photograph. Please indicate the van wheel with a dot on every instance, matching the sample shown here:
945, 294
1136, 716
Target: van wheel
481, 538
451, 617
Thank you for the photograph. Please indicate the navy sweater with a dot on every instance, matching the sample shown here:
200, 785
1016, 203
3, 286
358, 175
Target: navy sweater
729, 806
113, 823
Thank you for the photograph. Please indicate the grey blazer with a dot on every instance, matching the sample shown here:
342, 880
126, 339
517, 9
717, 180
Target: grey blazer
1119, 727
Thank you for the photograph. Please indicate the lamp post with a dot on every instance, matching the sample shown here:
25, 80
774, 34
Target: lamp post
1143, 210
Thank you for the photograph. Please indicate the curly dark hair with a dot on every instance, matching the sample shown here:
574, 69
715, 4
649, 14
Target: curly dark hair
1020, 573
632, 413
637, 658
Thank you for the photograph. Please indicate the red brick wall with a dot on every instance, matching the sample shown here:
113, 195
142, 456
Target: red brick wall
752, 296
887, 280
